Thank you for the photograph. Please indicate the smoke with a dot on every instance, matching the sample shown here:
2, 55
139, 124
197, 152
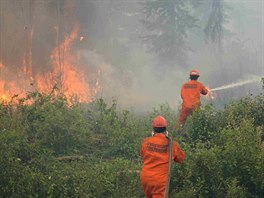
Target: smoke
137, 90
40, 42
112, 51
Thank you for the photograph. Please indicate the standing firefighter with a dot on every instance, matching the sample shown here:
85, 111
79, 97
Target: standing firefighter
190, 93
155, 154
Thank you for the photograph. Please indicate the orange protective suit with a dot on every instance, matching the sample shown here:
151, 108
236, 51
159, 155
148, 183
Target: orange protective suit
190, 93
155, 154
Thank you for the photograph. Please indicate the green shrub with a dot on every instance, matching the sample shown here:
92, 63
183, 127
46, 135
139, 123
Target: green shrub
225, 153
93, 178
53, 124
21, 166
203, 125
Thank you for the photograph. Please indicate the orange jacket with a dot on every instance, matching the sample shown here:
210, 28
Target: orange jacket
191, 92
155, 153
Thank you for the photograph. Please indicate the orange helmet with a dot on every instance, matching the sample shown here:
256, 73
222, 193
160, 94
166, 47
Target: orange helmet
194, 73
159, 122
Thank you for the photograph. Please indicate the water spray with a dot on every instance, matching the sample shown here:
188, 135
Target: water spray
211, 92
232, 85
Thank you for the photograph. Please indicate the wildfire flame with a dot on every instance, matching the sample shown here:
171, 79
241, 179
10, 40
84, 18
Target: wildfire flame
67, 74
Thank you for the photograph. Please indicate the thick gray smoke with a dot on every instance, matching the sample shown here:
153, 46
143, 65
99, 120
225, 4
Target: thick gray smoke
25, 26
140, 81
112, 44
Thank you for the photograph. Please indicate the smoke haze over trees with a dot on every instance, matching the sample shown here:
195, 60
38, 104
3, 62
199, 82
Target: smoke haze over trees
144, 49
127, 60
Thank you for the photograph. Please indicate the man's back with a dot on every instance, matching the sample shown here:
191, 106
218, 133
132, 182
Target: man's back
191, 92
154, 151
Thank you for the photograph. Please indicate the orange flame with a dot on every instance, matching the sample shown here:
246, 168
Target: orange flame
67, 74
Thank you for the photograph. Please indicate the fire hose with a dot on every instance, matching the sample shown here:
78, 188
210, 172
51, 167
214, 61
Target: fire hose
169, 137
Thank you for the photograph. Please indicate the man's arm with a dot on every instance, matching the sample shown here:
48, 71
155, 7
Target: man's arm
142, 149
181, 92
178, 154
204, 90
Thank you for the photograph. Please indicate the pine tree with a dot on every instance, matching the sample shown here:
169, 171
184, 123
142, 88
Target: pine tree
167, 24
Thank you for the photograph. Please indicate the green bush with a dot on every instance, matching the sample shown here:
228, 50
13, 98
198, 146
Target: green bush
93, 178
203, 125
21, 165
50, 122
51, 148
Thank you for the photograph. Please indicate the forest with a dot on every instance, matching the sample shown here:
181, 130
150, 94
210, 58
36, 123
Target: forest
82, 80
130, 49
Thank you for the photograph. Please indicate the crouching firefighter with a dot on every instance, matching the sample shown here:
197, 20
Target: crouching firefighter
155, 154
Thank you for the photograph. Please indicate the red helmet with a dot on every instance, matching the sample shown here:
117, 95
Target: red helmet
159, 122
194, 73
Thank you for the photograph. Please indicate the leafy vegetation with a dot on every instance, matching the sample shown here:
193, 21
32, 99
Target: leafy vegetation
49, 148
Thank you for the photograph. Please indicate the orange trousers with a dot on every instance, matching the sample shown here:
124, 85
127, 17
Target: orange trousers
185, 112
153, 187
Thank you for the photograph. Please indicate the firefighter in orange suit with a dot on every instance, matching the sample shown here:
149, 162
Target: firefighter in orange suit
190, 93
155, 154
